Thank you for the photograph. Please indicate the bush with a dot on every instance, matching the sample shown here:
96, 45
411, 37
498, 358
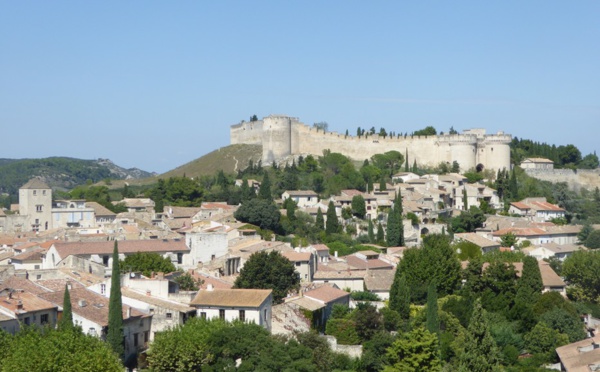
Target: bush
344, 330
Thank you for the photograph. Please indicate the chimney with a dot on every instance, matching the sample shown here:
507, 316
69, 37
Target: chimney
69, 285
128, 312
209, 287
19, 305
335, 254
82, 303
160, 276
148, 292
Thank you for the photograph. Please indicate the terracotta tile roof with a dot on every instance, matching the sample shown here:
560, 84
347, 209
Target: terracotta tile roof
545, 206
520, 205
477, 240
217, 205
18, 283
521, 231
297, 256
5, 255
35, 183
29, 302
301, 193
95, 306
34, 254
575, 359
360, 264
307, 303
320, 247
125, 246
326, 293
232, 297
53, 285
337, 274
126, 292
100, 210
379, 280
215, 282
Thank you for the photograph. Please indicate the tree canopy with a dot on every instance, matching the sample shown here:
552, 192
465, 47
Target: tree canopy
269, 270
147, 263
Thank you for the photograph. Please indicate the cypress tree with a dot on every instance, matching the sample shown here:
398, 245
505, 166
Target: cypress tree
400, 295
382, 184
531, 278
115, 335
406, 167
393, 233
513, 186
465, 199
320, 221
66, 322
332, 225
380, 235
370, 232
265, 188
433, 321
480, 350
415, 169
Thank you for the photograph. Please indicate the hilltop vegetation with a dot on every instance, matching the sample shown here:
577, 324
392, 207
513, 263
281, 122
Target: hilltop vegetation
59, 173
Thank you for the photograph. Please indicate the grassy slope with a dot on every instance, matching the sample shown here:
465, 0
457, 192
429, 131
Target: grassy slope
229, 159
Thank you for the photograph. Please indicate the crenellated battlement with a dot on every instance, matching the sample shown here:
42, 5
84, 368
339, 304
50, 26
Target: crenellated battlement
282, 136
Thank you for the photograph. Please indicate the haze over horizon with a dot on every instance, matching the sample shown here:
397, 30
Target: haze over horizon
155, 85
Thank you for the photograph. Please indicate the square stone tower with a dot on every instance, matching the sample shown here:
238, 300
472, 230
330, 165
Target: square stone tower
35, 202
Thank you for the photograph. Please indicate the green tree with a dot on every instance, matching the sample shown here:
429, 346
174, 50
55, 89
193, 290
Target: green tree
344, 330
581, 270
531, 278
480, 351
66, 322
400, 295
544, 340
585, 231
265, 188
359, 208
427, 131
508, 240
260, 212
367, 321
370, 232
415, 351
187, 282
380, 234
332, 225
565, 322
320, 221
115, 334
432, 319
465, 199
269, 271
593, 240
395, 225
467, 221
47, 349
146, 263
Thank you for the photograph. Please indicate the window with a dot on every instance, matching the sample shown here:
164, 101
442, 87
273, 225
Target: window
135, 339
38, 277
169, 315
203, 315
265, 314
243, 315
44, 191
26, 320
44, 318
39, 208
146, 336
222, 314
298, 263
102, 288
36, 267
34, 192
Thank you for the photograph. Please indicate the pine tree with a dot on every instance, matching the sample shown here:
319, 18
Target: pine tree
433, 321
115, 334
265, 188
66, 322
370, 232
332, 225
480, 351
400, 295
320, 221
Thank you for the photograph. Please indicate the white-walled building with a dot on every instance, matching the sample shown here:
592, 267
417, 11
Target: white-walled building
248, 305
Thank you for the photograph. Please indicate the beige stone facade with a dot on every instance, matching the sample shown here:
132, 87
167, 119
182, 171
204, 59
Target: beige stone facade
283, 136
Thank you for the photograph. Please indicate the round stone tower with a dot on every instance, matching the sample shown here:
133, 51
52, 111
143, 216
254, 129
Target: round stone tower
276, 138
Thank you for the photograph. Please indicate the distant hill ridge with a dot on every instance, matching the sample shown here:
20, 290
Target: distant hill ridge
61, 173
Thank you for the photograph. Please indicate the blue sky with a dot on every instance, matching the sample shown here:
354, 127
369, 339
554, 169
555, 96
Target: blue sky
155, 84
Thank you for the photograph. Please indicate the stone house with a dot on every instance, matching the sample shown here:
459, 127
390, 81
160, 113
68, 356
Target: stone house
537, 163
90, 312
247, 305
537, 209
20, 306
304, 263
303, 198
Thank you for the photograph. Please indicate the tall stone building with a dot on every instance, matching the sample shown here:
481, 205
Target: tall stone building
35, 204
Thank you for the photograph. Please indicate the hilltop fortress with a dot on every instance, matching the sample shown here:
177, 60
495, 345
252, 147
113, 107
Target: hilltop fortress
282, 136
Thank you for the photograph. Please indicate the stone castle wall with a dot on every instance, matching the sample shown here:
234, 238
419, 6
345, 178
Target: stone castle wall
283, 136
576, 180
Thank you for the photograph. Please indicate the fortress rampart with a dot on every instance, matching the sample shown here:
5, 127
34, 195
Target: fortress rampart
282, 136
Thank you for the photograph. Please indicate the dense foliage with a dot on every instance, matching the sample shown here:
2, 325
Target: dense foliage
147, 263
269, 270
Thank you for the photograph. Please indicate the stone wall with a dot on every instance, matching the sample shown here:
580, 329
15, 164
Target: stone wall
575, 179
283, 136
